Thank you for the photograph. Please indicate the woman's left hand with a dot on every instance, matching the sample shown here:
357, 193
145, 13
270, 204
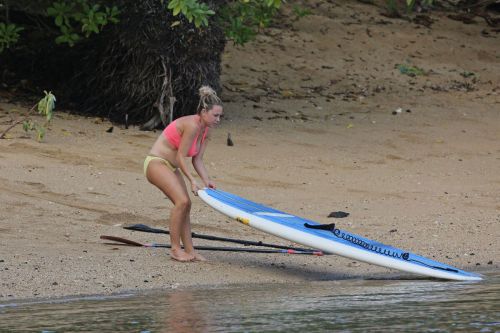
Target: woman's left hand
211, 184
195, 188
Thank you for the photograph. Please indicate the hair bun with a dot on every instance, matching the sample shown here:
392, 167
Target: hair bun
206, 91
208, 98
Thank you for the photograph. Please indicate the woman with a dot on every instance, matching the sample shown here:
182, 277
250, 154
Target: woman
185, 137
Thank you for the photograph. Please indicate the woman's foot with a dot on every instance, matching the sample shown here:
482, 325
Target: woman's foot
180, 255
199, 257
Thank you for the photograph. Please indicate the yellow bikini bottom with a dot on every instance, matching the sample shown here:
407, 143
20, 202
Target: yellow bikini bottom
149, 158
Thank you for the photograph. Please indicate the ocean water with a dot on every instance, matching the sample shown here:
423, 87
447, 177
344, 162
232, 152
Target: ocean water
329, 306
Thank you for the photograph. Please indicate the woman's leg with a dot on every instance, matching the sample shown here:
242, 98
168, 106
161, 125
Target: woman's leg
186, 235
188, 241
173, 186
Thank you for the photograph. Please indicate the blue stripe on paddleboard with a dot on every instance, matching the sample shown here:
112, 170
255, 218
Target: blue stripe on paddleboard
340, 236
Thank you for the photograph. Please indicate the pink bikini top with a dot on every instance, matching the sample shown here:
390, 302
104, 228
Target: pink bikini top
173, 136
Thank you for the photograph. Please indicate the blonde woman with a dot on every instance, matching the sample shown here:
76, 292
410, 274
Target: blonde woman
164, 167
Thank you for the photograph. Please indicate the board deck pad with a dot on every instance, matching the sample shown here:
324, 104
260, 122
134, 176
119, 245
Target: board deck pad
333, 241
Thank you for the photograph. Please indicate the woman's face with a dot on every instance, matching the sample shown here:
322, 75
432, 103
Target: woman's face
212, 116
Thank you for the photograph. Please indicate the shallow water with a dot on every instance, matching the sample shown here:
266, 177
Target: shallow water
333, 306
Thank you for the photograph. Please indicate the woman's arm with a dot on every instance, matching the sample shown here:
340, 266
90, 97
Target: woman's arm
187, 138
199, 166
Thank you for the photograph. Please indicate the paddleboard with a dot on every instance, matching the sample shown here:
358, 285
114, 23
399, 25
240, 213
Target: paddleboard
333, 241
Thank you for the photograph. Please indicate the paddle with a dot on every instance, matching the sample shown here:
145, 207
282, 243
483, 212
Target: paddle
213, 248
145, 228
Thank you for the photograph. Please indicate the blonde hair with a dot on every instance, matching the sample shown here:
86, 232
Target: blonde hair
208, 98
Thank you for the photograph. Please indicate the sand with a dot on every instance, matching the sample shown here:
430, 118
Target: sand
322, 120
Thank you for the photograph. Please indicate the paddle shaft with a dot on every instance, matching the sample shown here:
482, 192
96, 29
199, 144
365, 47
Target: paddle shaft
145, 228
213, 248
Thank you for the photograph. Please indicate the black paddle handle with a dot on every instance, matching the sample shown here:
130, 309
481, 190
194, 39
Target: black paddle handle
145, 228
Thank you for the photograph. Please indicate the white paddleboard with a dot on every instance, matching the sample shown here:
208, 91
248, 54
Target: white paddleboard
335, 241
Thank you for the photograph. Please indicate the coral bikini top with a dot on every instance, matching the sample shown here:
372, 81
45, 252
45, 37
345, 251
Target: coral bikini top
171, 133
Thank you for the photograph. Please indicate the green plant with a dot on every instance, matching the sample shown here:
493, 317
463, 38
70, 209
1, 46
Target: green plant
91, 18
192, 10
45, 107
9, 34
300, 12
75, 19
392, 7
410, 70
243, 19
467, 74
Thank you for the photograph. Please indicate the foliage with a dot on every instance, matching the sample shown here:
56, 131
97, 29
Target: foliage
300, 12
192, 10
45, 108
243, 19
91, 18
467, 74
9, 34
410, 70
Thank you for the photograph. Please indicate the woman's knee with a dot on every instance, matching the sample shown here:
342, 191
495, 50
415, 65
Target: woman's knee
183, 203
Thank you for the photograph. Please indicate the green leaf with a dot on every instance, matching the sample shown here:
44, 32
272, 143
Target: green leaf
26, 125
47, 104
59, 20
51, 11
184, 9
62, 39
40, 133
173, 4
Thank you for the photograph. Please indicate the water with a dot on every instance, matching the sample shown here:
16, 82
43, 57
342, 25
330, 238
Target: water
333, 306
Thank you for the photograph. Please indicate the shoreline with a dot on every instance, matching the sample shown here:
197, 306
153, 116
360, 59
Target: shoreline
393, 277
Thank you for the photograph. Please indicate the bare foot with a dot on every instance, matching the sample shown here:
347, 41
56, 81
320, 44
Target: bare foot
180, 255
199, 257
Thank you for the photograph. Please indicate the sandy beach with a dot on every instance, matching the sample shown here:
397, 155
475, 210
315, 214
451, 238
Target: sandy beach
322, 119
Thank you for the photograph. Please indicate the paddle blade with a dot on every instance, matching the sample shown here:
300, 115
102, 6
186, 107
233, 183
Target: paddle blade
145, 228
122, 240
